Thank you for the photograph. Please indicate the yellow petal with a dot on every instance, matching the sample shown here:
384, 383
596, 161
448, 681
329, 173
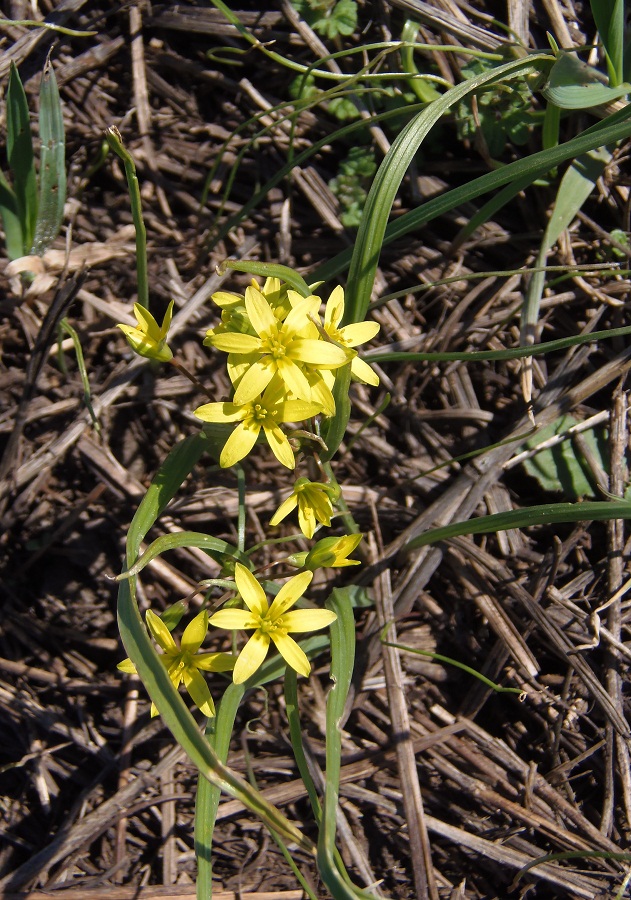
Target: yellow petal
231, 342
301, 620
280, 446
195, 632
160, 632
291, 591
146, 322
127, 666
320, 354
284, 509
359, 333
251, 591
251, 657
234, 620
221, 412
198, 689
215, 662
239, 444
292, 654
254, 381
334, 309
362, 372
259, 312
306, 520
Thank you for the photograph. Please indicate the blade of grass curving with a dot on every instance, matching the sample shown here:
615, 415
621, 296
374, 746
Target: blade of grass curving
154, 675
20, 158
392, 170
215, 547
218, 733
546, 514
574, 84
608, 131
13, 237
511, 353
342, 662
268, 270
115, 142
52, 163
65, 325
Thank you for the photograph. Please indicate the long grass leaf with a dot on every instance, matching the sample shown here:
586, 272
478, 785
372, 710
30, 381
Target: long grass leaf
215, 547
52, 164
20, 158
547, 514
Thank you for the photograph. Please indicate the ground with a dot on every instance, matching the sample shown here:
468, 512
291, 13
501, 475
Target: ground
96, 797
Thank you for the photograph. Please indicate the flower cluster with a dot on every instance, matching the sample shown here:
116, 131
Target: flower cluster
281, 361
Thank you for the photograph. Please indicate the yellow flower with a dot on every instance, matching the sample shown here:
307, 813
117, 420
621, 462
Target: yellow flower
313, 500
279, 348
184, 662
148, 338
333, 552
350, 335
266, 412
271, 623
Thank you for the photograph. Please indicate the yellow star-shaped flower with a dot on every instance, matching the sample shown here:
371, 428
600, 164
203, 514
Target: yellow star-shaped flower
265, 412
279, 348
271, 624
184, 662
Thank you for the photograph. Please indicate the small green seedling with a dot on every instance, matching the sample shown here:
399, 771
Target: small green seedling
32, 208
328, 18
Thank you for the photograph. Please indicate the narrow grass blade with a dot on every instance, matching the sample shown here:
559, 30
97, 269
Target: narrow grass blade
609, 16
269, 270
215, 547
52, 164
547, 514
13, 236
218, 733
574, 84
342, 662
115, 142
83, 372
295, 732
334, 429
20, 158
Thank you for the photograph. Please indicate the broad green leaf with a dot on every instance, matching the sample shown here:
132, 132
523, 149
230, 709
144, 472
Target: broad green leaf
52, 164
20, 158
562, 468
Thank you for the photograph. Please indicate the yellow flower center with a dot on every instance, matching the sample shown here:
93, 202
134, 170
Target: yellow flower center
269, 626
259, 412
275, 346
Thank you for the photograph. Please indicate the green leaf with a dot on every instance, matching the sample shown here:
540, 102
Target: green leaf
548, 514
11, 223
562, 467
52, 164
20, 158
573, 84
215, 547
